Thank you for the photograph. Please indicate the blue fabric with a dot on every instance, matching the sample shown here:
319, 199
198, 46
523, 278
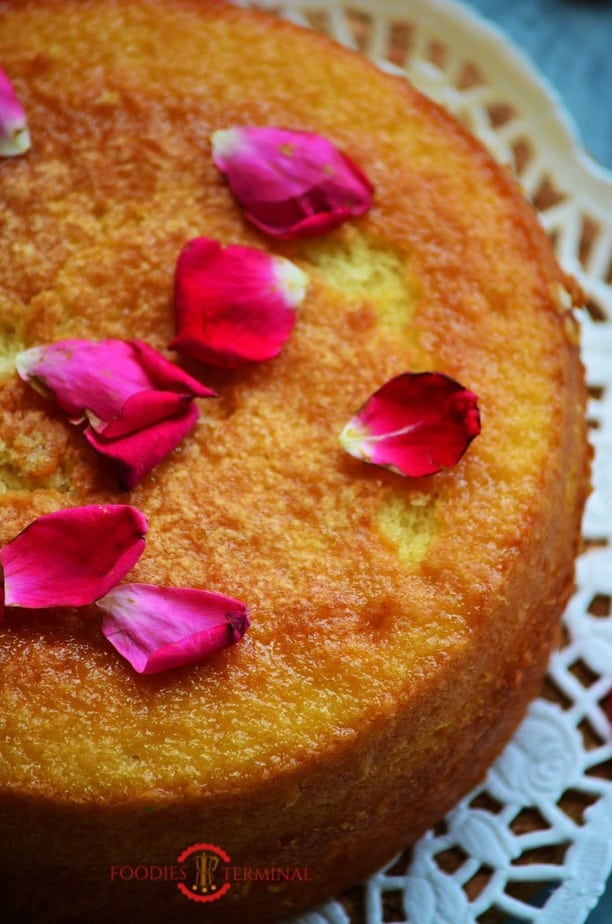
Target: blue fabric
570, 42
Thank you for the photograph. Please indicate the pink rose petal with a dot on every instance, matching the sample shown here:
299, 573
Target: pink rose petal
159, 628
415, 425
234, 304
137, 404
134, 455
165, 373
290, 184
140, 411
98, 378
73, 556
14, 135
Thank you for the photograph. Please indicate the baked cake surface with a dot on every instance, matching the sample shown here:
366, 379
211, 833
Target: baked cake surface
399, 626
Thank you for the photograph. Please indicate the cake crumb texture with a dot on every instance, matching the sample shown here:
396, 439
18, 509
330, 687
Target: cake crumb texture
399, 627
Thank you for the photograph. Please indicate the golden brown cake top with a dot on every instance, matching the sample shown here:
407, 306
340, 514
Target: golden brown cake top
361, 583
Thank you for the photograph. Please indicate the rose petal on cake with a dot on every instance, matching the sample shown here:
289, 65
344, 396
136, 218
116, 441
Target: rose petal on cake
134, 400
415, 425
14, 134
290, 183
98, 378
167, 374
160, 628
72, 556
134, 455
234, 304
85, 376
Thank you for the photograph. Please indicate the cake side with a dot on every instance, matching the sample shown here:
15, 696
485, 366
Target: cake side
396, 624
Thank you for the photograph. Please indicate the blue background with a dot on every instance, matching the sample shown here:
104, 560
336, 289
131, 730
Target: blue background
570, 42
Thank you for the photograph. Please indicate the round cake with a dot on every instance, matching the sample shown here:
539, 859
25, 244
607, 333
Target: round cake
399, 625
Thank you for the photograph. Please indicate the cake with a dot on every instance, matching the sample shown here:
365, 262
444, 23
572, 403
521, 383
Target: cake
399, 625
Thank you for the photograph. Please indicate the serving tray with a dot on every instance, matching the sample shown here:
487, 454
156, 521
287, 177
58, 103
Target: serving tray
532, 843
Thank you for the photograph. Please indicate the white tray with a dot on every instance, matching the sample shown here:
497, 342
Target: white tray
479, 865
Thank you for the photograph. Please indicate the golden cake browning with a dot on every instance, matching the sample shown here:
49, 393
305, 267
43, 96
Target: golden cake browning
399, 627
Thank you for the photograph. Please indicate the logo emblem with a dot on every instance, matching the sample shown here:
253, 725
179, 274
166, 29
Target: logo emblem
204, 864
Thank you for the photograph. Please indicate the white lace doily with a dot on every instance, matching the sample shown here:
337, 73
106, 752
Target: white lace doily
533, 841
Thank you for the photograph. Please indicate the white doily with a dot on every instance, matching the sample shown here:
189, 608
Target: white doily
511, 848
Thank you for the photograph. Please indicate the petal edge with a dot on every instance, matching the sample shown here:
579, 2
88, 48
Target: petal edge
161, 628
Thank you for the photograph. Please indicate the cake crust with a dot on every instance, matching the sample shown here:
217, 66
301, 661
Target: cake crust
399, 627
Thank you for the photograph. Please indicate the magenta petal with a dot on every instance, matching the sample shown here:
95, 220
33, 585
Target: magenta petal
142, 410
96, 379
73, 556
290, 184
167, 375
137, 403
135, 454
14, 135
234, 304
415, 425
81, 375
159, 628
